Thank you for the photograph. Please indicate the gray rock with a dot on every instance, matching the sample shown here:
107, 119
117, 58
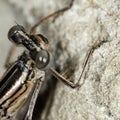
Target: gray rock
72, 34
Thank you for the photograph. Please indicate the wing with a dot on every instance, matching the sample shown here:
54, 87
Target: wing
19, 88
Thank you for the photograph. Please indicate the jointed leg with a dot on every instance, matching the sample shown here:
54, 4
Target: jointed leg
10, 54
33, 29
34, 99
60, 77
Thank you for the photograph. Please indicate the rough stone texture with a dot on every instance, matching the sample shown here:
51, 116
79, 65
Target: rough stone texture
83, 26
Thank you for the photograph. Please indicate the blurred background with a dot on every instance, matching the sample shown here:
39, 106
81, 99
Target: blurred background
7, 19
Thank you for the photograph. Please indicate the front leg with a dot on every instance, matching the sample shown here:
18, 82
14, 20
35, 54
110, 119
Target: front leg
70, 84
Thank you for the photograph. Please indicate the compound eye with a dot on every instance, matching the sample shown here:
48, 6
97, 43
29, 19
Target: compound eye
42, 59
14, 35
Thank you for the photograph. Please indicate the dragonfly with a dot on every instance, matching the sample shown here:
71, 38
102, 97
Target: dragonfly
21, 83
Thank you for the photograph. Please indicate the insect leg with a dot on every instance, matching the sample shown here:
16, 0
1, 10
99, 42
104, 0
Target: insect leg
33, 29
71, 84
9, 56
34, 98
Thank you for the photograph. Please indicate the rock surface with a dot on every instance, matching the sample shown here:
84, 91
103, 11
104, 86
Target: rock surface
72, 34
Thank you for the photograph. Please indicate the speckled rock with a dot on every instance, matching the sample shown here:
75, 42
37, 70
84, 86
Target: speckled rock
72, 34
